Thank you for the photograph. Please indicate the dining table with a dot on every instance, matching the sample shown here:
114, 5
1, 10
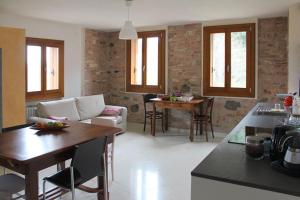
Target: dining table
190, 106
28, 151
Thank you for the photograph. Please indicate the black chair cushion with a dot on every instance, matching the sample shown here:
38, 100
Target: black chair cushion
63, 179
147, 97
11, 183
87, 163
151, 112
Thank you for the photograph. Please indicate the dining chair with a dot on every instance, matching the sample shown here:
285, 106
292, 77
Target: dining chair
87, 163
11, 184
205, 118
149, 113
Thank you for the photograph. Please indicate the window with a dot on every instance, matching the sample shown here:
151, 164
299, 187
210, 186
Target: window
229, 60
145, 65
44, 69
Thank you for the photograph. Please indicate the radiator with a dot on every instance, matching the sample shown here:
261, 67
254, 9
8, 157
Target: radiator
31, 111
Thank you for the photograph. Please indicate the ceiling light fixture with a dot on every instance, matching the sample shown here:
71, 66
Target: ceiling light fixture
128, 32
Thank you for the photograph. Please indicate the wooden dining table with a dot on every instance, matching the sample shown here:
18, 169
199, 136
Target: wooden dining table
190, 106
27, 151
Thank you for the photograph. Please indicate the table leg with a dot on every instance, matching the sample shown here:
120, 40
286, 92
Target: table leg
192, 126
32, 185
101, 184
166, 119
103, 180
201, 129
153, 120
201, 112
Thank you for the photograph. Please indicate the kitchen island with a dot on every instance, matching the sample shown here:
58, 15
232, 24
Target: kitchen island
227, 173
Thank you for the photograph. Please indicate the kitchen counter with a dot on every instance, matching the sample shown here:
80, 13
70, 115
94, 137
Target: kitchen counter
228, 163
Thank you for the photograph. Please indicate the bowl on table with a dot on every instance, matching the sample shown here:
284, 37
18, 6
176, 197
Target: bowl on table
165, 98
50, 126
185, 98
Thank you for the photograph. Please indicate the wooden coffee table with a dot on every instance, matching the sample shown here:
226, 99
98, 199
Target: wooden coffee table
28, 151
189, 106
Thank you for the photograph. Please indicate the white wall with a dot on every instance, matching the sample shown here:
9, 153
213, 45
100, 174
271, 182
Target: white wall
294, 49
74, 45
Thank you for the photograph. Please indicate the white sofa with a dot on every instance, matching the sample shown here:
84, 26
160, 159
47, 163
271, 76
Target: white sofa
86, 109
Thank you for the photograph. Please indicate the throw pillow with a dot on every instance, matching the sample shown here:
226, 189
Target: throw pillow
109, 111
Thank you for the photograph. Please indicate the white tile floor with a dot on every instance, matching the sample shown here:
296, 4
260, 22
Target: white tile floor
152, 168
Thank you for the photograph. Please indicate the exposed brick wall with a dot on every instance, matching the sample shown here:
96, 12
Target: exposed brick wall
273, 57
184, 65
184, 57
95, 79
184, 70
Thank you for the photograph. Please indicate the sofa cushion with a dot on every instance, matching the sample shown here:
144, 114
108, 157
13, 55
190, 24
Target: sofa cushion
61, 108
90, 106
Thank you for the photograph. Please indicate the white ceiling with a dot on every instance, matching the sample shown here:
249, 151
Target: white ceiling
110, 14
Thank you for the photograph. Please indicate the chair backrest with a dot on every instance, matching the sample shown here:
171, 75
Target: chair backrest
209, 106
147, 98
88, 159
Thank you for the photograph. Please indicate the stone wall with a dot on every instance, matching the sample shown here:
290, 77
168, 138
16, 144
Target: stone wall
105, 68
104, 72
118, 96
95, 78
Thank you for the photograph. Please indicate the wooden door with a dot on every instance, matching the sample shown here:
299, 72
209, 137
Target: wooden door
12, 42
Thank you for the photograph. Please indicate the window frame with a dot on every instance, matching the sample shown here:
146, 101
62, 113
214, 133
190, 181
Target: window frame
45, 94
249, 91
143, 88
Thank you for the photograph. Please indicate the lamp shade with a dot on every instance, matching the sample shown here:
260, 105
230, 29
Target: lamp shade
128, 32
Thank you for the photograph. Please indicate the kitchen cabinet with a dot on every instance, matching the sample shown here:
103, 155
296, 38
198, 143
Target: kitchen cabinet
227, 172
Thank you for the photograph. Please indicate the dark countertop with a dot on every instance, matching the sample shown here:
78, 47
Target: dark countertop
229, 163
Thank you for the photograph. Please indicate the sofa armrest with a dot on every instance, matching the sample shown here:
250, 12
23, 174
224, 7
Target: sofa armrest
123, 125
104, 122
124, 111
